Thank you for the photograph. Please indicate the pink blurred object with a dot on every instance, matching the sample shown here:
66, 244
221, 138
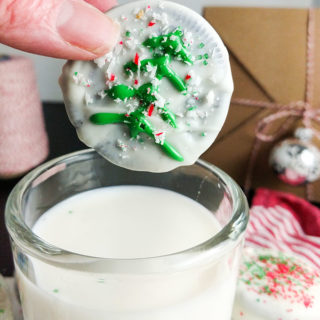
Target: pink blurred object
23, 139
285, 222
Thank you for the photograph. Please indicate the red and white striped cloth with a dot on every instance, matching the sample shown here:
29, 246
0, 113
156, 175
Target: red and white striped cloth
285, 222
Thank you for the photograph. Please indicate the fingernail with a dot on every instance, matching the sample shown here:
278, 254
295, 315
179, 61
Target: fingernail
86, 27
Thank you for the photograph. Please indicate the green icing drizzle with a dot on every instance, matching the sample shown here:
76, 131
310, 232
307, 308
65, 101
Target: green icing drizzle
163, 70
166, 47
137, 123
171, 44
146, 95
121, 92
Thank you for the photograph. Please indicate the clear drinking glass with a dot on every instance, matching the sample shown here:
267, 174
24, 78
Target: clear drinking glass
195, 284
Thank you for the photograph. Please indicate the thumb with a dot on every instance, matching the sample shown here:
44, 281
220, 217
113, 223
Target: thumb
69, 29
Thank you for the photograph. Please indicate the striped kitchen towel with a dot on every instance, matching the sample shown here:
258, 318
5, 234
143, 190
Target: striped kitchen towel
285, 222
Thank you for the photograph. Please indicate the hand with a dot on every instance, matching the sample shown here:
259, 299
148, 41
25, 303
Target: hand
69, 29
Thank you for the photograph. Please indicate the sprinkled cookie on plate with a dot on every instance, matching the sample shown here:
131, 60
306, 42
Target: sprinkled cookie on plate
276, 286
160, 98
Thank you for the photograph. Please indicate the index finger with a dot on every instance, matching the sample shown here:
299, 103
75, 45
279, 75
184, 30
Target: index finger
102, 5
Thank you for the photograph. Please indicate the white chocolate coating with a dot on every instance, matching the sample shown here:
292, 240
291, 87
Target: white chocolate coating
269, 290
200, 111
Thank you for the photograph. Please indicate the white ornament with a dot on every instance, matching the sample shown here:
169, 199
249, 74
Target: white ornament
296, 161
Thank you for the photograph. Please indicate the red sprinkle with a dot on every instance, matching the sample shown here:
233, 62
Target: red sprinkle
148, 7
121, 42
283, 268
150, 110
88, 85
126, 115
151, 23
112, 77
188, 77
136, 59
159, 134
136, 81
307, 302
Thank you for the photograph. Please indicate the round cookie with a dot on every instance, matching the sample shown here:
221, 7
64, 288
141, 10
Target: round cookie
160, 98
276, 286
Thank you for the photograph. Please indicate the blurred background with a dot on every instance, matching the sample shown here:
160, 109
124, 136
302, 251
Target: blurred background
48, 69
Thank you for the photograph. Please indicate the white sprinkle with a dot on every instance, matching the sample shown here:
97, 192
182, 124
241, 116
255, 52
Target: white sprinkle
78, 78
87, 98
121, 145
152, 70
188, 37
159, 137
155, 82
162, 18
102, 94
81, 80
130, 75
202, 114
132, 107
179, 47
131, 43
160, 100
102, 60
210, 98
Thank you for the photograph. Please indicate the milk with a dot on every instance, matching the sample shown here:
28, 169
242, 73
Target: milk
128, 222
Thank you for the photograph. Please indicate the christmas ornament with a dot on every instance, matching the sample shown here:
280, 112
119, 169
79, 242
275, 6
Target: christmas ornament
296, 161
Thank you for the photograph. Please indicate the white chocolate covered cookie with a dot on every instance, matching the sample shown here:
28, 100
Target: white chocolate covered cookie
160, 98
276, 286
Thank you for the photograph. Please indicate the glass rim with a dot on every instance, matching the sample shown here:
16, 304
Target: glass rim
24, 237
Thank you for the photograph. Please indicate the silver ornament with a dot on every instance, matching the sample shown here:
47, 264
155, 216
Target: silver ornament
296, 161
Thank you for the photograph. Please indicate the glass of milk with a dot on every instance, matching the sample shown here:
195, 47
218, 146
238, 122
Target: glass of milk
93, 241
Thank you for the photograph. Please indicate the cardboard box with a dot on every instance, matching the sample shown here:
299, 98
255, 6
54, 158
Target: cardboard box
267, 50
